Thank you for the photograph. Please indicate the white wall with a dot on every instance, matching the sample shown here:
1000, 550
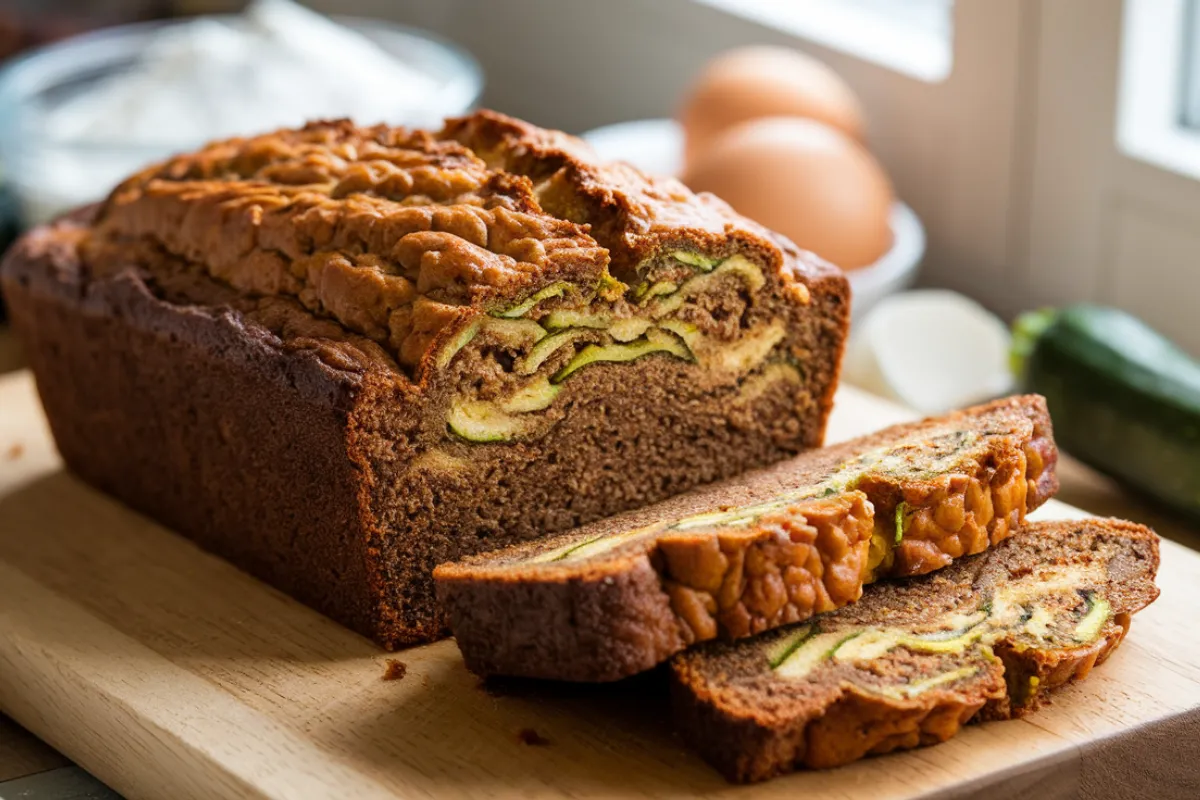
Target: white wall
1104, 226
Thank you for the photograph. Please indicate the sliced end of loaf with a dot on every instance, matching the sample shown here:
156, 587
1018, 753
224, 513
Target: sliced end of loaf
756, 553
912, 662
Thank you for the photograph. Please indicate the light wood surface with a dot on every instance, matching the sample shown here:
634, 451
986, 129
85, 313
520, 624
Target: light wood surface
167, 673
21, 753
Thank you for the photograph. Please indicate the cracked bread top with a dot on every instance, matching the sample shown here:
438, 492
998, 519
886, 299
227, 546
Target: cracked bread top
393, 239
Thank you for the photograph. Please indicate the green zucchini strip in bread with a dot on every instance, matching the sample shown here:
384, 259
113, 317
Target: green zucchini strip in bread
554, 334
769, 549
914, 661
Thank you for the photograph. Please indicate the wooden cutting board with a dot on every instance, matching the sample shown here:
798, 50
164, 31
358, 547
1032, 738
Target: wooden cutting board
169, 674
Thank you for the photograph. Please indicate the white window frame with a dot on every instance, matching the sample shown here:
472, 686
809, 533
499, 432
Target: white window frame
862, 33
1150, 110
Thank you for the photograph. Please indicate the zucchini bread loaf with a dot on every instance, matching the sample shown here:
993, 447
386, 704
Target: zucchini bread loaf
339, 356
986, 638
756, 552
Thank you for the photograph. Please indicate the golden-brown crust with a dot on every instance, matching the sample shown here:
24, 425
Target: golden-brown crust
856, 724
630, 213
795, 562
401, 237
1031, 674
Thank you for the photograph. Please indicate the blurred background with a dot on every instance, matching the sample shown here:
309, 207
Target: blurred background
1049, 147
998, 157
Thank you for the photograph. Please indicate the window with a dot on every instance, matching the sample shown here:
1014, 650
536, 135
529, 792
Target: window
910, 36
1158, 118
1191, 75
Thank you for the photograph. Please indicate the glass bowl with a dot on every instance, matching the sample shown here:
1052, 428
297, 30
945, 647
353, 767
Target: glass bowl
50, 174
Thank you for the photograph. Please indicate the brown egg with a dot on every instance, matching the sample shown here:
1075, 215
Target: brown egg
753, 82
806, 180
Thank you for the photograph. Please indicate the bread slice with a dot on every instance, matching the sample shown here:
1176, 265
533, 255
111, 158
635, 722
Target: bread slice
339, 356
913, 661
772, 548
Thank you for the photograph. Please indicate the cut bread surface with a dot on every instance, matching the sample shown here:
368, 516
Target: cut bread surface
775, 548
913, 661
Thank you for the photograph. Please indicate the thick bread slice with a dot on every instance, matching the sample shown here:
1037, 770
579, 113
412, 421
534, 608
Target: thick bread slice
768, 549
913, 661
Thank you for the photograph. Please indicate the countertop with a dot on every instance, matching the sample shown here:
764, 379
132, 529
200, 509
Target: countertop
23, 755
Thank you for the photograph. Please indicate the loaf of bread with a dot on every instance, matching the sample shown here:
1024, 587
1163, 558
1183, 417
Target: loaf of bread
756, 552
339, 356
913, 661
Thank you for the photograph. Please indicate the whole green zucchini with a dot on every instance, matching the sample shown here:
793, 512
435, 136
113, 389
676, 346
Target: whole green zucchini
1123, 398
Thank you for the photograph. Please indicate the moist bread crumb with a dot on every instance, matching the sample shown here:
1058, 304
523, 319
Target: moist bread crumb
338, 356
759, 551
395, 670
531, 737
986, 638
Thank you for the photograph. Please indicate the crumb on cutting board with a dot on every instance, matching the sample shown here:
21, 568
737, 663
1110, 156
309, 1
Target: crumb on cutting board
15, 452
396, 669
531, 737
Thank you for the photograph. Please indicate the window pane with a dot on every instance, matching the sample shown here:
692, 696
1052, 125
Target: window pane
910, 36
932, 16
1191, 65
928, 16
